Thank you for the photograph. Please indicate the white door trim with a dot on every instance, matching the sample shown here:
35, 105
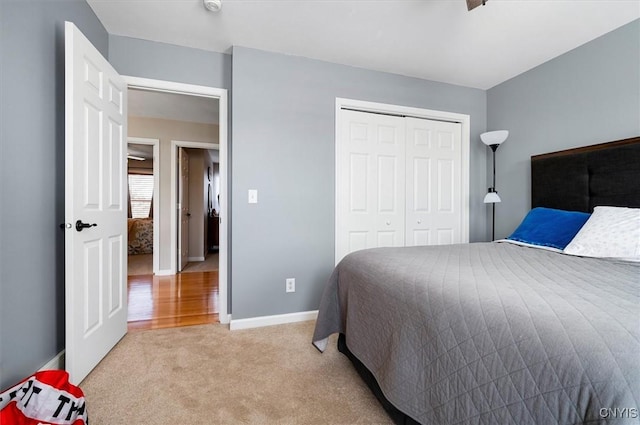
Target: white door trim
221, 95
365, 106
156, 194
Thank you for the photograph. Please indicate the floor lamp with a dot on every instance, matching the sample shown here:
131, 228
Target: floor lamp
493, 139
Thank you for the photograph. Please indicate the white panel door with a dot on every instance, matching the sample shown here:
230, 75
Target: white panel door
95, 205
434, 207
370, 182
183, 207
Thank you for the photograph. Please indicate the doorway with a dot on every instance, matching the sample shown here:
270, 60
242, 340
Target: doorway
142, 199
204, 160
191, 295
197, 114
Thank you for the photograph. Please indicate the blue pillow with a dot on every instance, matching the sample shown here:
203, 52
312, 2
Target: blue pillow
549, 227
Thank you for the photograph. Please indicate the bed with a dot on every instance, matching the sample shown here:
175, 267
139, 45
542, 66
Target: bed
140, 236
497, 333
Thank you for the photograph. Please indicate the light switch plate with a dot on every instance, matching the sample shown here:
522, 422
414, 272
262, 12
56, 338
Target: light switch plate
253, 196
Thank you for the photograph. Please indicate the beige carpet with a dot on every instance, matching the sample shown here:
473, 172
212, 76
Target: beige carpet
209, 375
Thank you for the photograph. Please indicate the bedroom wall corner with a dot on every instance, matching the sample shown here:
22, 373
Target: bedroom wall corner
586, 96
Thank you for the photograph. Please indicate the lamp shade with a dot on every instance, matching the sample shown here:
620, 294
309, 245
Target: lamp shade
492, 198
494, 137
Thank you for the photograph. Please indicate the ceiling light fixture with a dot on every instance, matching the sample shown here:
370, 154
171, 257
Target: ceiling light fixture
213, 5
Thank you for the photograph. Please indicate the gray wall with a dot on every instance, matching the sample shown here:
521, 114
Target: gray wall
32, 176
586, 96
283, 145
161, 61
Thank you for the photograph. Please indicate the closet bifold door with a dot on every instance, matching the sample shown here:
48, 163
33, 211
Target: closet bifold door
433, 182
398, 182
370, 182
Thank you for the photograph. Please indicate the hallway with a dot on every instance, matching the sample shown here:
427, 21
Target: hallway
185, 299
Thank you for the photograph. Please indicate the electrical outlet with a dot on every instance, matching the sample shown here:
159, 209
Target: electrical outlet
290, 285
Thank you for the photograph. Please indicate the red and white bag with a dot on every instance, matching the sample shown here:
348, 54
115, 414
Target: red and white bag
42, 399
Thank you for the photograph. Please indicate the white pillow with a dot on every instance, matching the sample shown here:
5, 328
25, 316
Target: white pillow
612, 232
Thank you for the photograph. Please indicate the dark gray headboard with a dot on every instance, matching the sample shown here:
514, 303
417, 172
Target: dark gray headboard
583, 178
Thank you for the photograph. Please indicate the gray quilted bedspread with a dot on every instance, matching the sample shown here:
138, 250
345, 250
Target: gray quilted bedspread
491, 333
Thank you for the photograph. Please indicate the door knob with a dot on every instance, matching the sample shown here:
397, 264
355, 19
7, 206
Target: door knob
80, 225
419, 221
388, 223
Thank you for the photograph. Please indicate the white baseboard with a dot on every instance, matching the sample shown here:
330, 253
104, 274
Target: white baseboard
278, 319
56, 363
195, 259
165, 272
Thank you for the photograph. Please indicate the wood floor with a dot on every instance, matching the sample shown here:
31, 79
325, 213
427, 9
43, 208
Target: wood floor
157, 302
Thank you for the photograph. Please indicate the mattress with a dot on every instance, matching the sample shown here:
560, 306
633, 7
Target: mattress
491, 333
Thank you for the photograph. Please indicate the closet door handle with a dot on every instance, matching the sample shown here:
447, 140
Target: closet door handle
388, 223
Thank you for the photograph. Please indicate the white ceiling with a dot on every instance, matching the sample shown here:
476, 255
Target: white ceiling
432, 39
172, 106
